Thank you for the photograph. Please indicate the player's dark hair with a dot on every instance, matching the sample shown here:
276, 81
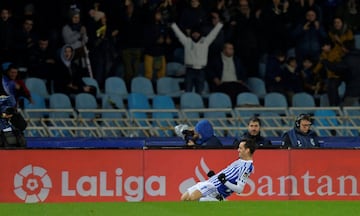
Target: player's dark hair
250, 144
254, 119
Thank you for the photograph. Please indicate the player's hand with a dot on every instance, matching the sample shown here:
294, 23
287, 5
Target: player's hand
222, 178
210, 173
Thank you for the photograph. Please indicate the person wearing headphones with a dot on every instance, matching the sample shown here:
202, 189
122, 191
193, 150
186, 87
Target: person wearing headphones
301, 136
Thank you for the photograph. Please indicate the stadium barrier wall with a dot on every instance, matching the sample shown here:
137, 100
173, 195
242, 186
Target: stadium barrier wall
158, 142
33, 176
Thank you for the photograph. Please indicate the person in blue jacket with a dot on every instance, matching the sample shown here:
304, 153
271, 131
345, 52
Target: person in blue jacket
201, 136
301, 136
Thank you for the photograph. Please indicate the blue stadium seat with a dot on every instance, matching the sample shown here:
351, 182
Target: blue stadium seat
38, 104
114, 115
168, 86
219, 100
93, 82
175, 69
139, 101
222, 103
60, 101
37, 86
257, 86
191, 100
275, 99
116, 86
35, 111
142, 85
247, 99
164, 120
62, 119
84, 101
303, 99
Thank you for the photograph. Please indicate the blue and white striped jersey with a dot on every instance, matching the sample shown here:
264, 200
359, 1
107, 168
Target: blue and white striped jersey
237, 173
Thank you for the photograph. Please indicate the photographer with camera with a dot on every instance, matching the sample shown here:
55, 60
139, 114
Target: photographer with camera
12, 125
201, 136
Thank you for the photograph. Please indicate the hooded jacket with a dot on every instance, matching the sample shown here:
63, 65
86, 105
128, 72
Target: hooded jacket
67, 72
206, 132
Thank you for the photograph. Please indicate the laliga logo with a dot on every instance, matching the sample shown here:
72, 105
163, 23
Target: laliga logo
191, 181
32, 184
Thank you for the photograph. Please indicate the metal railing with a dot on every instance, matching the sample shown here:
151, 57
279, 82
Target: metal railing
328, 121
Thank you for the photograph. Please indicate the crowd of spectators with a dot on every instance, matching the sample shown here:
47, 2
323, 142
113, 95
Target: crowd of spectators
302, 42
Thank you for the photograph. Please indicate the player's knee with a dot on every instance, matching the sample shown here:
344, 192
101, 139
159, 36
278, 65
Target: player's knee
185, 196
194, 197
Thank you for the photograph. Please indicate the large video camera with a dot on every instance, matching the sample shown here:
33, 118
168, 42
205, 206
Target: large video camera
185, 132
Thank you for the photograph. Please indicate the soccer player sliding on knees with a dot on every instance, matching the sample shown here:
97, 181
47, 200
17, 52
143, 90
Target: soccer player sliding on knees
231, 179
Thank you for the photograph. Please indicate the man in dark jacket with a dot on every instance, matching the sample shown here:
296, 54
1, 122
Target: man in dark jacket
254, 126
301, 135
7, 32
350, 66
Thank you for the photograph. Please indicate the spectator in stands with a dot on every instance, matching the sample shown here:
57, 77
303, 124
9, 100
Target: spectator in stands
68, 77
42, 61
350, 12
131, 35
157, 38
350, 67
227, 73
74, 33
196, 55
329, 58
313, 82
14, 87
253, 132
301, 136
339, 33
201, 136
168, 11
101, 43
274, 72
293, 82
192, 17
301, 7
25, 40
7, 32
274, 20
308, 37
217, 45
246, 36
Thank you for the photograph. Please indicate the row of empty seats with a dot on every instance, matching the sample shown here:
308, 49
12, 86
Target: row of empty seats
168, 86
116, 85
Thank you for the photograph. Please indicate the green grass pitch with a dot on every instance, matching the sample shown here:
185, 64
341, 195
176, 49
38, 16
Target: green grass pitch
229, 208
